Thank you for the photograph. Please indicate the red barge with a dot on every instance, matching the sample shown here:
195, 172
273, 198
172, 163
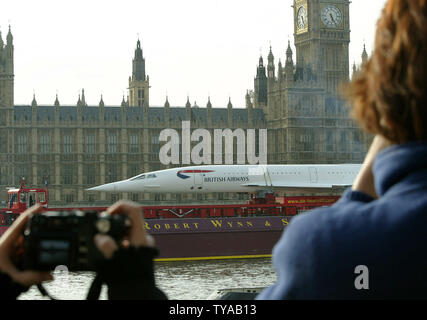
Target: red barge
198, 232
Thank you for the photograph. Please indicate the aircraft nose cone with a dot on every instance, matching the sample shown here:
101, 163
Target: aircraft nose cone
119, 186
105, 187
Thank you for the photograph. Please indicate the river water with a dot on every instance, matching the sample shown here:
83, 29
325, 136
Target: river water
184, 280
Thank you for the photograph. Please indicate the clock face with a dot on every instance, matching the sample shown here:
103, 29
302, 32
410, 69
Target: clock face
331, 16
302, 18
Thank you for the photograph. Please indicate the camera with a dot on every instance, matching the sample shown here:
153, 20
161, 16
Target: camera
56, 238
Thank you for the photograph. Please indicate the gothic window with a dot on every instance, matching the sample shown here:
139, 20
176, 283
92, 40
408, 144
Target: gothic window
114, 197
43, 174
69, 198
112, 173
330, 105
133, 143
21, 172
356, 142
22, 144
112, 143
292, 144
67, 176
3, 142
133, 170
305, 142
45, 143
276, 143
91, 198
90, 144
4, 176
330, 142
155, 143
90, 174
344, 142
68, 144
140, 97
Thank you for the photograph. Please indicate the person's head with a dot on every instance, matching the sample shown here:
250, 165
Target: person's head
389, 94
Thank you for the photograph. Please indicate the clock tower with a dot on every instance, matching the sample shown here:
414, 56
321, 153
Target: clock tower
322, 37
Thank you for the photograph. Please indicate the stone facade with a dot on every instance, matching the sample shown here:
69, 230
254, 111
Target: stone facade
72, 148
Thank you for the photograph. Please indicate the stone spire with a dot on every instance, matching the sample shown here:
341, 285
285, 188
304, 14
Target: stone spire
188, 109
209, 111
354, 69
289, 59
260, 85
101, 102
167, 111
138, 64
9, 37
56, 103
270, 67
84, 104
34, 102
230, 112
167, 105
230, 105
280, 70
248, 100
364, 55
1, 42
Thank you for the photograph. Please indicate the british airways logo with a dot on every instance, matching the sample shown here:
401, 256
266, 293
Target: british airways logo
181, 174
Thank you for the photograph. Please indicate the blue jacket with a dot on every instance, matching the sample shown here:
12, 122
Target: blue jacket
361, 248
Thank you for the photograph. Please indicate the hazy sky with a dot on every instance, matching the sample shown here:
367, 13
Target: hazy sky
198, 48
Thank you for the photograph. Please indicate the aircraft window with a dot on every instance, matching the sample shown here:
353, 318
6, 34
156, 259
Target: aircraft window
140, 177
151, 176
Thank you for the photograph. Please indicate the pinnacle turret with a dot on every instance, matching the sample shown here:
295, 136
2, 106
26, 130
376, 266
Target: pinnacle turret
9, 37
56, 103
34, 102
364, 54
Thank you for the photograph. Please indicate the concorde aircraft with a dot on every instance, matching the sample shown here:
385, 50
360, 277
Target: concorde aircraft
239, 178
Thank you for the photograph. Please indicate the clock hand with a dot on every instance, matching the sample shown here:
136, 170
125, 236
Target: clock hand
332, 17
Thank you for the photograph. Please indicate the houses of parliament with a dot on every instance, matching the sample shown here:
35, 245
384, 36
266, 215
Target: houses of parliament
71, 148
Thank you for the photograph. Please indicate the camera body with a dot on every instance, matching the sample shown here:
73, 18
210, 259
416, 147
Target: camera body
56, 238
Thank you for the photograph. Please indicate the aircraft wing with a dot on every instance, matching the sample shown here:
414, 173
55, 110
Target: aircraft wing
294, 186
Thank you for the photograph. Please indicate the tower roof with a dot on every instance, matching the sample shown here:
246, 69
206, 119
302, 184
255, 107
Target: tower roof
138, 63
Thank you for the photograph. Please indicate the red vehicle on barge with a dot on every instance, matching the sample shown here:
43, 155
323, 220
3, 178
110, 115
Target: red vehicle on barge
198, 232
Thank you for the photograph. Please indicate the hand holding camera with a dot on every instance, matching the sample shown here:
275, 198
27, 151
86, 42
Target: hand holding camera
42, 241
66, 238
11, 245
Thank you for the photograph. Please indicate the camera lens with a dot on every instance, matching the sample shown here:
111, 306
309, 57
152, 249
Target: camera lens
103, 225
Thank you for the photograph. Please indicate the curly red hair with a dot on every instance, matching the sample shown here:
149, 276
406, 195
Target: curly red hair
388, 95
